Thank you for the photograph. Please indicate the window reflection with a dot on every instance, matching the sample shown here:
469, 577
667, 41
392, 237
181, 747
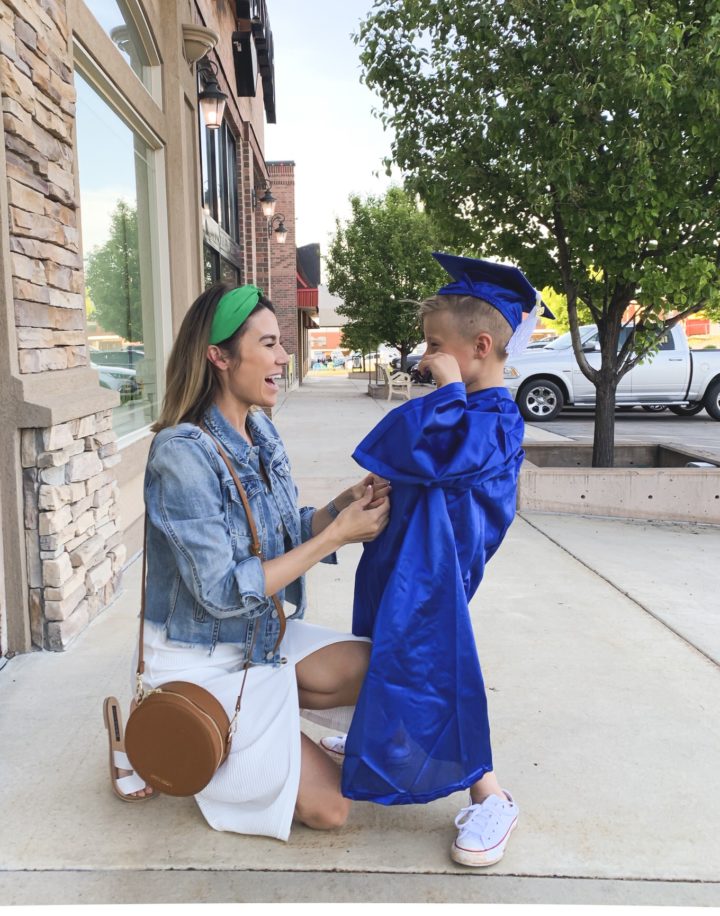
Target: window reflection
116, 186
115, 18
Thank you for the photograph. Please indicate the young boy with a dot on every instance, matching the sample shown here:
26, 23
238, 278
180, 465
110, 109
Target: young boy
420, 729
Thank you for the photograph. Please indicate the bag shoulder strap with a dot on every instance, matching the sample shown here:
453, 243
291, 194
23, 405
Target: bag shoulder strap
257, 551
256, 548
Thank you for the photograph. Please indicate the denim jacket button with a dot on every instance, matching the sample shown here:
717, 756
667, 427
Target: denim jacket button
274, 613
268, 655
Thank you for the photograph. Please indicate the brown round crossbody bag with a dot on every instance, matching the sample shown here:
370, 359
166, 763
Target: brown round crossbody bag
178, 734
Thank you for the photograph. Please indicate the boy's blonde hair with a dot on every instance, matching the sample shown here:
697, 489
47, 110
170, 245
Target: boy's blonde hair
472, 316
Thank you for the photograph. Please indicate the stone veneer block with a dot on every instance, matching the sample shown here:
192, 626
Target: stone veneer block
34, 566
76, 581
61, 457
84, 466
53, 476
84, 522
61, 633
61, 610
106, 530
99, 576
37, 619
29, 440
118, 555
81, 506
57, 572
103, 495
88, 552
98, 481
85, 427
54, 497
53, 522
57, 436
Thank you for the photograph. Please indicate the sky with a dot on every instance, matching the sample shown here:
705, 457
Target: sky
324, 115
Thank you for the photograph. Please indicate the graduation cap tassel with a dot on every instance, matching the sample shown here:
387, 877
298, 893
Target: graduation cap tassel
523, 333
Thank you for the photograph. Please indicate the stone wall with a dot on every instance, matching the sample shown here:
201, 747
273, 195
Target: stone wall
38, 100
72, 541
74, 547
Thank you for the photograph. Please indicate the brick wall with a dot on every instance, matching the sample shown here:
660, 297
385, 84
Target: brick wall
283, 258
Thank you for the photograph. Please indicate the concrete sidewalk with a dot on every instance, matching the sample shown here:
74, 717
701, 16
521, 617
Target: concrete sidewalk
600, 642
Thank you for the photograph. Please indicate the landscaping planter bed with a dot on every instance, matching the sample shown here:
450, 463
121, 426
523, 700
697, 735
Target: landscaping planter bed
649, 481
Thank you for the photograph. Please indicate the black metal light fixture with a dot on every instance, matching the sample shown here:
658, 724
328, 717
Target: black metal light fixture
212, 99
267, 203
281, 231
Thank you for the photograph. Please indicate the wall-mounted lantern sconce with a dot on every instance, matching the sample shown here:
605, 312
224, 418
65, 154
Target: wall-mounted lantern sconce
281, 232
212, 99
267, 203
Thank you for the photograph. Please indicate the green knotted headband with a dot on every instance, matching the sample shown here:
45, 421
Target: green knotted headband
232, 309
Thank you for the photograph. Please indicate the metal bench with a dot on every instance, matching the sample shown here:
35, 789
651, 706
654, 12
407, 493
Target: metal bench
386, 385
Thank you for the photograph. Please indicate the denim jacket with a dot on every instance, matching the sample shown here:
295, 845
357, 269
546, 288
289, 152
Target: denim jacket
203, 582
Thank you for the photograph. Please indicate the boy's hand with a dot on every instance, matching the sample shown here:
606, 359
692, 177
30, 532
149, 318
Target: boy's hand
443, 367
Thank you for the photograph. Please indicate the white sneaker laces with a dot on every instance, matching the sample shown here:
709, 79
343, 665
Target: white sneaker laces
480, 815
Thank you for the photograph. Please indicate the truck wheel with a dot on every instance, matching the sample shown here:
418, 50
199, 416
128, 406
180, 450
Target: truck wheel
540, 400
687, 410
711, 401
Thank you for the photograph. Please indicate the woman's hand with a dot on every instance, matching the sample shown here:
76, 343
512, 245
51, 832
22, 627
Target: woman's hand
363, 519
443, 367
381, 490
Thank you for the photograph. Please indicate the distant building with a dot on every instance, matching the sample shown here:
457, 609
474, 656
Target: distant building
328, 336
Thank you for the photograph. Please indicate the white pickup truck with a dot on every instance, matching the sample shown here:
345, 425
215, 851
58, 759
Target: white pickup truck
543, 381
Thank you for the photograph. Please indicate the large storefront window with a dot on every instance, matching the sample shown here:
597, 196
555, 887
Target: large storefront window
218, 153
125, 24
218, 165
117, 185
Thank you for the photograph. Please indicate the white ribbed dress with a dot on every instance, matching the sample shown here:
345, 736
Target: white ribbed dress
255, 789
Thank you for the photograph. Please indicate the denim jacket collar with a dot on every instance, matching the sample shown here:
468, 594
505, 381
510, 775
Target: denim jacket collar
235, 444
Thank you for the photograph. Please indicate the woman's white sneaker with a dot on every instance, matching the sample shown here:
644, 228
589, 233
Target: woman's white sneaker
484, 830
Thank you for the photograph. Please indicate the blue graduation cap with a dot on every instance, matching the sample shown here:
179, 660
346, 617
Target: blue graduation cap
503, 286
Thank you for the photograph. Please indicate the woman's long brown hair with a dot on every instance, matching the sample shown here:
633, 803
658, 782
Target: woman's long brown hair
191, 380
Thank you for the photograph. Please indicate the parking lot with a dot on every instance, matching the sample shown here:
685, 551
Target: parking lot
699, 431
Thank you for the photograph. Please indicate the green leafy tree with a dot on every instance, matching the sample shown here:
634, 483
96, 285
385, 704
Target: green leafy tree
578, 139
379, 262
557, 303
112, 275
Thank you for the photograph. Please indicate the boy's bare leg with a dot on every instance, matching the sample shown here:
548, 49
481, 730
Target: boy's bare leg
487, 785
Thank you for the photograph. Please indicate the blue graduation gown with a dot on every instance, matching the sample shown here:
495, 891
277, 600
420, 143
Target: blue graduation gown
420, 729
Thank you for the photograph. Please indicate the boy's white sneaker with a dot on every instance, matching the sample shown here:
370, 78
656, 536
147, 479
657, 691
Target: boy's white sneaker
484, 830
334, 745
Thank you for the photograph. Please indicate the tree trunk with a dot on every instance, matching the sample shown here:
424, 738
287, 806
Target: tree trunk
403, 359
604, 438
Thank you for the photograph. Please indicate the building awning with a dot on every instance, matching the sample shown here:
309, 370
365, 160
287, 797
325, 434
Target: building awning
307, 299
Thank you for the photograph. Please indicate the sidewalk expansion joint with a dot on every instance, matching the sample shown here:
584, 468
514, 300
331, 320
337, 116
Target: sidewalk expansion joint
622, 591
368, 872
